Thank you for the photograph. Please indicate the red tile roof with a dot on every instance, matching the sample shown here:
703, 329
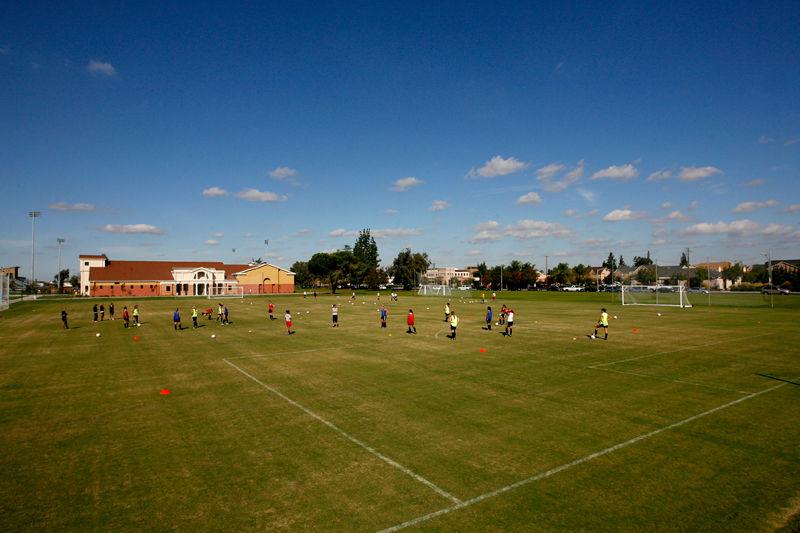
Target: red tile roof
90, 256
153, 270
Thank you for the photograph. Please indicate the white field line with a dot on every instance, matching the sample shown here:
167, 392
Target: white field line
289, 352
351, 438
738, 339
576, 462
671, 380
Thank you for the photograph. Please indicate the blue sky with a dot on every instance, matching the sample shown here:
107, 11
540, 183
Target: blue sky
472, 131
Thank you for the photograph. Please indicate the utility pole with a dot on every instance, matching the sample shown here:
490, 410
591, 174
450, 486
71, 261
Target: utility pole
546, 274
768, 255
60, 242
689, 268
33, 215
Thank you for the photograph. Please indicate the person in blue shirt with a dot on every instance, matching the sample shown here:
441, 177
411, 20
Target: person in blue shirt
176, 320
383, 316
225, 315
489, 318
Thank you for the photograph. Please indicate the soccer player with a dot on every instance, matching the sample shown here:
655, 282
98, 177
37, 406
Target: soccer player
315, 296
384, 315
353, 296
271, 308
602, 323
453, 325
102, 312
219, 313
304, 295
126, 318
94, 310
410, 322
489, 317
176, 320
64, 318
194, 317
111, 310
208, 312
503, 313
447, 312
494, 296
225, 315
510, 323
136, 314
335, 315
287, 318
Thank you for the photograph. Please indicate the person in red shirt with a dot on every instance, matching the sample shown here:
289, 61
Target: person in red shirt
410, 322
126, 317
288, 319
271, 308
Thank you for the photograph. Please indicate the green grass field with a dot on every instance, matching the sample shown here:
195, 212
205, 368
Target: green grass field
669, 425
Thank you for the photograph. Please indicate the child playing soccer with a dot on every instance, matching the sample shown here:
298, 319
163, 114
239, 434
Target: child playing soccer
287, 318
410, 322
126, 318
503, 313
489, 318
453, 325
111, 310
602, 323
176, 320
335, 315
447, 312
194, 317
102, 312
384, 314
510, 323
136, 315
64, 318
271, 308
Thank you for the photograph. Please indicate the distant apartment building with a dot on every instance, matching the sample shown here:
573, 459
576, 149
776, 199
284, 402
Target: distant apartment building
443, 276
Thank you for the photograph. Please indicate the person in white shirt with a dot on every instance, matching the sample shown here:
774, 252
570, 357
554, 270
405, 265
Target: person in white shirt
335, 315
287, 318
510, 323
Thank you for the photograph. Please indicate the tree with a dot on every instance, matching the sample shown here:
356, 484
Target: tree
75, 281
302, 276
611, 263
642, 261
60, 278
732, 273
684, 260
622, 262
365, 249
562, 274
581, 274
406, 266
375, 277
646, 276
481, 273
331, 266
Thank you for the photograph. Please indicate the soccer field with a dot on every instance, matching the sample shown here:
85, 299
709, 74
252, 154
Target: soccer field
683, 421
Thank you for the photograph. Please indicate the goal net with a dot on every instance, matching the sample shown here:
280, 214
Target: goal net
226, 291
667, 295
435, 290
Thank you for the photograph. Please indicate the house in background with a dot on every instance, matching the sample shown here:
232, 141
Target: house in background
101, 276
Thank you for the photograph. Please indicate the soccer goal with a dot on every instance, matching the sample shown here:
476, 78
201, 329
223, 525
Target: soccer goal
226, 291
5, 291
666, 295
435, 290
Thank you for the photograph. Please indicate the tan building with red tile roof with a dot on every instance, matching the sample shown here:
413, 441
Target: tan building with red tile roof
101, 276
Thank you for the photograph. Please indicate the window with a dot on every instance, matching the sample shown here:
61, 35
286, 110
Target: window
141, 286
168, 288
86, 263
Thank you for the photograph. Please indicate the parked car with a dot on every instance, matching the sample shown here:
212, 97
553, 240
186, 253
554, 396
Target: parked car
774, 290
698, 290
572, 288
661, 288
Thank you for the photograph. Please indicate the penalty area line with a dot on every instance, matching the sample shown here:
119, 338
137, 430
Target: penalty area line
576, 462
348, 436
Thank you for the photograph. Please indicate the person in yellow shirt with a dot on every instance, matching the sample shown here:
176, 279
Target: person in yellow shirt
602, 323
447, 312
453, 325
194, 317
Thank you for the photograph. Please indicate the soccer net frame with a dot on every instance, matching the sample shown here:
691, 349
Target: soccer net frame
5, 291
227, 291
660, 295
435, 290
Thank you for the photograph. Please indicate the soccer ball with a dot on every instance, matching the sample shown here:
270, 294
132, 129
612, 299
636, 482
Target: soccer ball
659, 314
615, 317
594, 336
497, 323
213, 336
96, 334
138, 325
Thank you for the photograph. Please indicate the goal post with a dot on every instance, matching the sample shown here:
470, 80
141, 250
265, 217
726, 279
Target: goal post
435, 290
661, 295
225, 291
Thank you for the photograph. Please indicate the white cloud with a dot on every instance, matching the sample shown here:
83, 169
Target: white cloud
101, 68
473, 253
214, 191
391, 211
736, 227
570, 212
790, 142
498, 166
777, 230
254, 195
694, 204
660, 175
548, 171
486, 232
281, 173
617, 172
404, 184
794, 208
211, 242
763, 139
61, 206
218, 235
618, 215
666, 205
536, 229
132, 228
756, 183
438, 205
587, 195
530, 198
377, 233
546, 174
677, 216
697, 173
746, 207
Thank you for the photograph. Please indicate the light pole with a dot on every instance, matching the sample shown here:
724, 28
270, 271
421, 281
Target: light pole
33, 215
60, 242
768, 255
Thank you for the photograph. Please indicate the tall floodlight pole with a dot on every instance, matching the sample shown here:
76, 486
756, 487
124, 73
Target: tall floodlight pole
60, 242
33, 215
768, 255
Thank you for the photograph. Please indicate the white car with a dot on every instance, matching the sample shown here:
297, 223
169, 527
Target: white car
572, 288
